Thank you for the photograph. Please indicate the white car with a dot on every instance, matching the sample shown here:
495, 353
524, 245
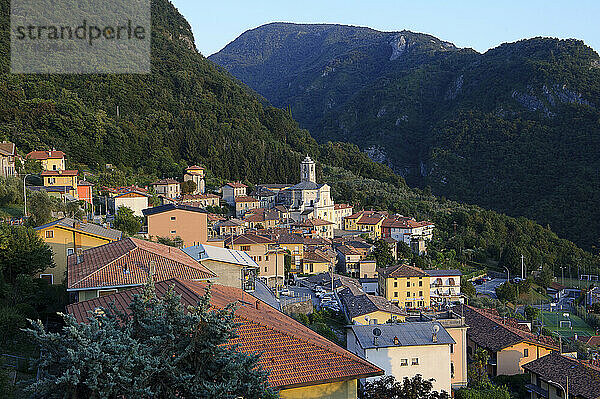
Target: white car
285, 292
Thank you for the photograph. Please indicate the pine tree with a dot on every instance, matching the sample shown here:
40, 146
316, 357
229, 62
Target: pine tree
159, 349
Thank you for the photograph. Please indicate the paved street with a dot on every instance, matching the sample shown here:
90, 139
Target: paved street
489, 287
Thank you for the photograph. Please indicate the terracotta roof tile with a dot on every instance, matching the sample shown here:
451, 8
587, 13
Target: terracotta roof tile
126, 262
293, 354
42, 155
584, 380
245, 198
488, 330
59, 173
403, 271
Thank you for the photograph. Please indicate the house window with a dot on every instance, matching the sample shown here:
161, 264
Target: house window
420, 293
420, 283
408, 294
48, 277
526, 352
260, 258
415, 361
106, 292
408, 284
403, 362
265, 269
70, 251
451, 370
245, 247
49, 233
173, 218
395, 294
266, 258
395, 284
173, 231
451, 348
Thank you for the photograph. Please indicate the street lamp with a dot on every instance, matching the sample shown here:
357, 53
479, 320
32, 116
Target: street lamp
25, 195
507, 273
566, 391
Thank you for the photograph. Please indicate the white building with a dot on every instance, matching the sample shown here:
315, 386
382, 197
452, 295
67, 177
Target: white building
232, 190
403, 229
134, 200
307, 199
169, 188
445, 286
405, 350
196, 174
340, 212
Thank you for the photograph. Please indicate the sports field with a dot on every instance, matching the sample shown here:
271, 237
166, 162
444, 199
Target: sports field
552, 320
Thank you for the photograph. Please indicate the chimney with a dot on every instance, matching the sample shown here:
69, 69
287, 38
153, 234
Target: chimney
375, 341
79, 256
396, 341
152, 268
257, 304
434, 337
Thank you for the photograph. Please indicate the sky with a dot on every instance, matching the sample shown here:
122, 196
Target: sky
478, 24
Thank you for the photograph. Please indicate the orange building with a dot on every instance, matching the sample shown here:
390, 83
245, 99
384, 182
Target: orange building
84, 191
172, 220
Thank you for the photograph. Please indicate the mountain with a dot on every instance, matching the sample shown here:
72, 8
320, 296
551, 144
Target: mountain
190, 111
516, 129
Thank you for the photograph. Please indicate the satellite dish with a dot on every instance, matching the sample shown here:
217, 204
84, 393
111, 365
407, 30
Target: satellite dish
436, 329
376, 332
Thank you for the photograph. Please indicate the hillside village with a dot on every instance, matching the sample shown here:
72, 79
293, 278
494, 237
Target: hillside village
287, 252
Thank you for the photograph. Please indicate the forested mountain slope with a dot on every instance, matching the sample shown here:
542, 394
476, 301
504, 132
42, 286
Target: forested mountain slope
516, 129
190, 111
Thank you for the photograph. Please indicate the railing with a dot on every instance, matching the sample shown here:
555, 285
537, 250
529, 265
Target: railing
288, 300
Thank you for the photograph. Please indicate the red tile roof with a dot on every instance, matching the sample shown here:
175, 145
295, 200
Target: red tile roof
294, 355
195, 167
126, 262
7, 148
591, 341
197, 197
59, 173
341, 206
491, 331
403, 271
249, 239
236, 185
42, 155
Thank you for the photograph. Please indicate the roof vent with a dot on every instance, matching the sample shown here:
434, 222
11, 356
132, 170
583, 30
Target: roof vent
376, 335
396, 341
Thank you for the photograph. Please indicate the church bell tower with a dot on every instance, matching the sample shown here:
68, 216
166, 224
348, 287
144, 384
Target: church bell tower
308, 172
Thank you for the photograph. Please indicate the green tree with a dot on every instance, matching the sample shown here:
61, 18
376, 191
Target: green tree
506, 292
159, 350
22, 252
176, 242
382, 253
127, 222
188, 187
531, 313
477, 370
39, 207
415, 388
468, 288
546, 276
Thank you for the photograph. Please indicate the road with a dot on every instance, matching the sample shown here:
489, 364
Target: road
489, 287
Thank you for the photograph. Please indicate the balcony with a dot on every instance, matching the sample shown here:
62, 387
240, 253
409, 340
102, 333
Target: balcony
534, 388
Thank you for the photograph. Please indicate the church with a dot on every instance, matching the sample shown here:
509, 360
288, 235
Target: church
308, 199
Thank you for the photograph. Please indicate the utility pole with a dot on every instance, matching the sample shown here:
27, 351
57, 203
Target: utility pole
25, 195
522, 267
562, 274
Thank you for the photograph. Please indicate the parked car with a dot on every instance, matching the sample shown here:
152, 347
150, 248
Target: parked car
286, 292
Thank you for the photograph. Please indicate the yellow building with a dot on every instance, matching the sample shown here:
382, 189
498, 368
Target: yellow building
406, 285
65, 179
315, 262
361, 308
66, 236
294, 244
50, 160
299, 362
368, 221
509, 345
